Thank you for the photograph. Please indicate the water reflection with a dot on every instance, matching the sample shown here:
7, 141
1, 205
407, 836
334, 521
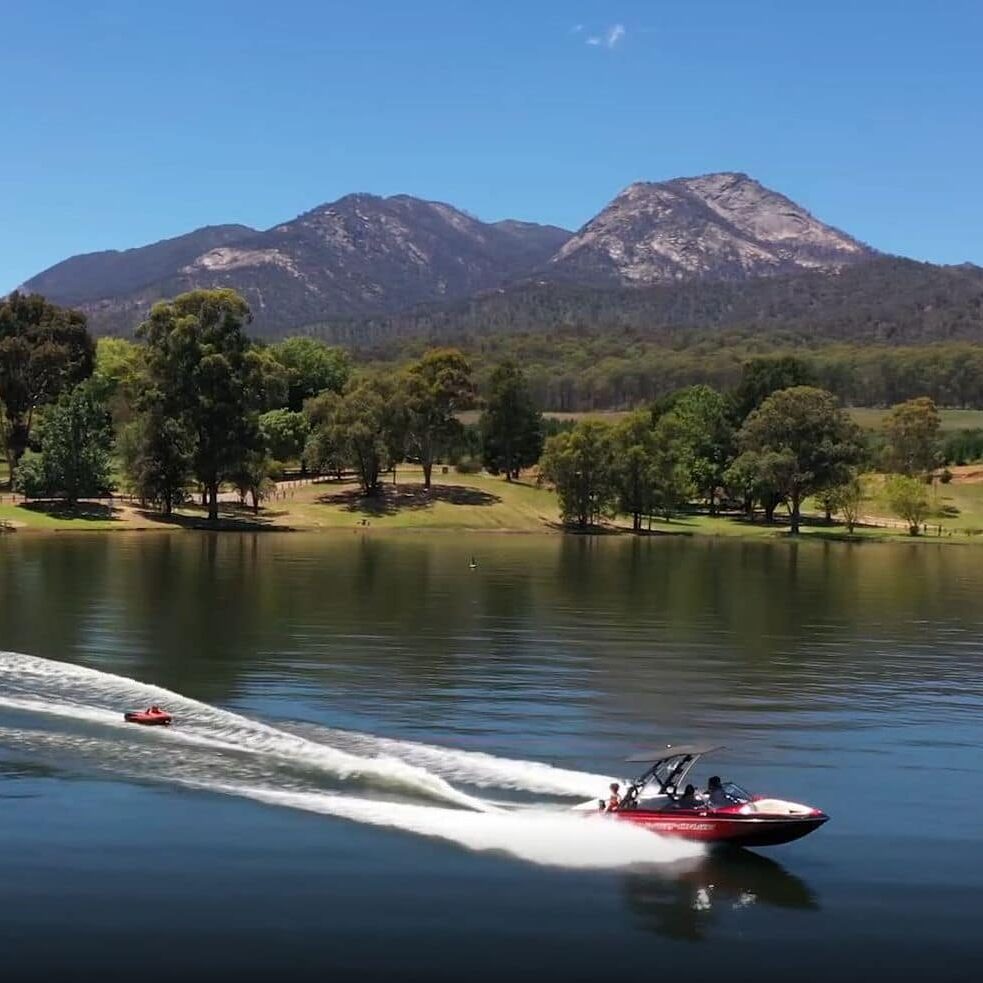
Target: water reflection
696, 897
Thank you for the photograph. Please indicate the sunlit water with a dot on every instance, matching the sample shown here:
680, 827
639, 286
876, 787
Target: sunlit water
378, 749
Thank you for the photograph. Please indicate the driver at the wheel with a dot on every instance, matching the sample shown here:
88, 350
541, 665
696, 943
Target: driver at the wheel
715, 792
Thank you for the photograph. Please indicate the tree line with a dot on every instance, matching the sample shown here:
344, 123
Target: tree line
776, 439
196, 405
588, 371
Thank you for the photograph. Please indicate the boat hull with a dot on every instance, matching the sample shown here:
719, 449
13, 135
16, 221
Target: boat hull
148, 719
735, 830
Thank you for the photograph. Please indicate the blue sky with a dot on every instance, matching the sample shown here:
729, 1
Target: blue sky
126, 122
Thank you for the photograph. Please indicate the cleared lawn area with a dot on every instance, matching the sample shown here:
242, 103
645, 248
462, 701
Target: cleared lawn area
456, 501
477, 502
87, 516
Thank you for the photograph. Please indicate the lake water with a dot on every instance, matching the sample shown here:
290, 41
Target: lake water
376, 748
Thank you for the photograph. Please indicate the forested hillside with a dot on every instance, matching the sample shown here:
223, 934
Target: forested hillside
886, 300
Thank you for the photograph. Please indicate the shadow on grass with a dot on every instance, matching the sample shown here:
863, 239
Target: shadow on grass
390, 500
231, 518
89, 511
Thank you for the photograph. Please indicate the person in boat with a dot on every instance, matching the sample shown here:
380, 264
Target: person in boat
715, 792
614, 799
688, 799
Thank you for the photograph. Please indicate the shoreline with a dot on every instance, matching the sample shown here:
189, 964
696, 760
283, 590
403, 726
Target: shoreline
469, 505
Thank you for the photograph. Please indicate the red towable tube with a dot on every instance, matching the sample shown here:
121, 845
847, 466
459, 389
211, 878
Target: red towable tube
152, 717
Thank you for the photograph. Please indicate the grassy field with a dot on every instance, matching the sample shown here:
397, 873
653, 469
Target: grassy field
871, 418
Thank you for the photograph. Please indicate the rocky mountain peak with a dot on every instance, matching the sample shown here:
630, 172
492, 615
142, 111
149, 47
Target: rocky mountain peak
720, 226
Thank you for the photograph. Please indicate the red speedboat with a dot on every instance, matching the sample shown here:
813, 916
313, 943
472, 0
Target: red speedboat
151, 717
723, 813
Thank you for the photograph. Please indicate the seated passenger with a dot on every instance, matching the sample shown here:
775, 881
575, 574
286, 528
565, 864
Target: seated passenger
688, 799
716, 794
614, 800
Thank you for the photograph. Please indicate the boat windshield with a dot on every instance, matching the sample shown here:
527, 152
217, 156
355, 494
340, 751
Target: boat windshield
735, 793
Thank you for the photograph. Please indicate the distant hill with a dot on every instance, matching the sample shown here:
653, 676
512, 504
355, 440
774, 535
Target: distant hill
361, 254
93, 277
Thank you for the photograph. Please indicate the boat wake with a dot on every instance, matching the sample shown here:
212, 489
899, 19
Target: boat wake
71, 714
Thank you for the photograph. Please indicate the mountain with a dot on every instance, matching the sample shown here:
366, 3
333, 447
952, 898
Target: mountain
368, 258
92, 276
359, 255
717, 227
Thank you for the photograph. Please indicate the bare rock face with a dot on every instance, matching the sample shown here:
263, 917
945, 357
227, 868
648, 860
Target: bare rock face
720, 226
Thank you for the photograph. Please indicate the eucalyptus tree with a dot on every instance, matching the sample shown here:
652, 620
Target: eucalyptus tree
434, 389
203, 372
511, 427
808, 441
44, 351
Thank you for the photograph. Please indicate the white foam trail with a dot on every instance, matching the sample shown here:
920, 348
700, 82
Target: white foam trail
534, 834
475, 767
551, 838
75, 691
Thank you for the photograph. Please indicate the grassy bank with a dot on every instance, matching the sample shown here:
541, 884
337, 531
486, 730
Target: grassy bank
477, 502
482, 503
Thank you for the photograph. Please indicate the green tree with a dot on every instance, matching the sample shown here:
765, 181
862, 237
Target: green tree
205, 375
511, 426
44, 351
847, 499
284, 433
254, 477
434, 390
76, 443
703, 429
355, 429
908, 498
912, 431
119, 377
580, 464
649, 467
157, 452
761, 377
815, 442
760, 477
312, 367
32, 479
634, 467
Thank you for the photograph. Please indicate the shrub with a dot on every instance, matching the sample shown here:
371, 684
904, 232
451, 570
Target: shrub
32, 478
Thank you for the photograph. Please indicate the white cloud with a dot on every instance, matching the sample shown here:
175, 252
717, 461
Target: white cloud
576, 29
614, 35
609, 39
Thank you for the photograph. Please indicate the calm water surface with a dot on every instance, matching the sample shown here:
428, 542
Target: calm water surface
377, 748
